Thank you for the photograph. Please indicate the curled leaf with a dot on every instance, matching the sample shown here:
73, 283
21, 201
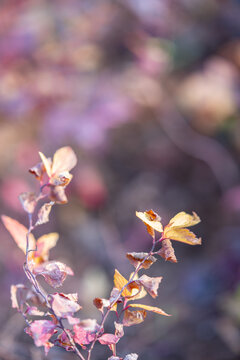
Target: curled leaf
151, 284
18, 295
101, 303
64, 305
54, 272
136, 258
150, 308
63, 341
43, 214
151, 220
133, 317
119, 330
44, 244
62, 179
57, 194
167, 251
38, 170
28, 201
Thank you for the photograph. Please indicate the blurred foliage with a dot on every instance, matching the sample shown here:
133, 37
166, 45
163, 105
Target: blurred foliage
147, 94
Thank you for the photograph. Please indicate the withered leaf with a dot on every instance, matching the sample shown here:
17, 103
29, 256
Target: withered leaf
44, 244
150, 308
136, 258
57, 194
28, 201
151, 284
120, 282
182, 235
101, 303
54, 272
43, 214
41, 331
64, 305
133, 317
18, 295
34, 311
37, 170
18, 232
62, 179
118, 329
81, 336
63, 341
167, 251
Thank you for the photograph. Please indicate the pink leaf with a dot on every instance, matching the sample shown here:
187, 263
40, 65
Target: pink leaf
54, 272
41, 331
82, 337
64, 305
108, 339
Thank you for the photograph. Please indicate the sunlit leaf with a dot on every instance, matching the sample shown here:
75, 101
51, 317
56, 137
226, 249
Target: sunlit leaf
151, 284
150, 308
28, 201
119, 330
62, 179
46, 163
41, 331
183, 219
133, 317
64, 305
152, 219
44, 244
64, 159
57, 194
120, 282
18, 232
38, 170
182, 235
136, 258
18, 293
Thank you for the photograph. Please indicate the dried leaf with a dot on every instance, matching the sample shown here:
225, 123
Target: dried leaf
131, 357
18, 232
90, 325
63, 341
64, 305
150, 219
119, 330
108, 339
38, 170
101, 303
183, 219
167, 251
41, 331
54, 272
150, 308
57, 194
64, 159
151, 284
28, 201
81, 336
33, 311
136, 258
43, 214
182, 235
133, 317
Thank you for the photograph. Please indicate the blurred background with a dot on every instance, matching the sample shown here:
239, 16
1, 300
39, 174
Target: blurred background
147, 94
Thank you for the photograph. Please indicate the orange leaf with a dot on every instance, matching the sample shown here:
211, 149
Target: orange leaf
150, 308
133, 317
151, 284
183, 219
44, 244
120, 282
46, 163
136, 258
150, 218
167, 251
182, 235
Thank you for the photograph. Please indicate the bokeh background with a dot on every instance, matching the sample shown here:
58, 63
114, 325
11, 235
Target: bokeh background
147, 94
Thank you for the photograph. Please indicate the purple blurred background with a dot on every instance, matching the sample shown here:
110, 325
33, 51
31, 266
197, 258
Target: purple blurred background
147, 93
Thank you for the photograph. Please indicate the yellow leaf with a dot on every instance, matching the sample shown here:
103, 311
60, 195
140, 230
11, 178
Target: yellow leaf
182, 235
151, 219
150, 308
120, 282
45, 243
46, 163
183, 219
